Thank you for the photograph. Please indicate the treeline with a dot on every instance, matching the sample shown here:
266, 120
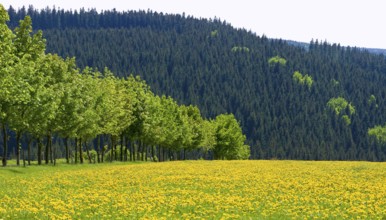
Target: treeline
91, 19
45, 96
283, 109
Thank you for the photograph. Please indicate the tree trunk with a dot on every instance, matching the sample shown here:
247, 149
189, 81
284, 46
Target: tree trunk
139, 150
164, 154
51, 149
204, 156
134, 145
121, 156
5, 146
131, 150
102, 155
76, 150
146, 152
126, 150
159, 154
144, 149
47, 151
29, 151
23, 155
40, 148
103, 150
98, 148
67, 150
18, 147
115, 148
111, 150
80, 151
152, 153
88, 152
53, 159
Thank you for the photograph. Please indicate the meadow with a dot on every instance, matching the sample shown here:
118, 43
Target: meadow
196, 190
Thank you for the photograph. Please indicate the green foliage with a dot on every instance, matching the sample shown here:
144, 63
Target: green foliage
93, 156
302, 80
346, 119
214, 33
340, 105
7, 62
209, 135
229, 139
379, 133
277, 60
27, 45
240, 49
372, 101
298, 77
308, 81
334, 82
192, 127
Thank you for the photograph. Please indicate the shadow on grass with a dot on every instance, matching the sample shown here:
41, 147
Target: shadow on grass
17, 171
13, 169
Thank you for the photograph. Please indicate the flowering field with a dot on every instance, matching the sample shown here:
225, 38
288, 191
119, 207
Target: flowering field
196, 190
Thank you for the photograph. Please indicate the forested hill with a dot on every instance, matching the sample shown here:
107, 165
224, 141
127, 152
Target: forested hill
293, 102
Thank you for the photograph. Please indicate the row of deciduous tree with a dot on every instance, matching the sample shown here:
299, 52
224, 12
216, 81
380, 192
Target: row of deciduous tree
44, 95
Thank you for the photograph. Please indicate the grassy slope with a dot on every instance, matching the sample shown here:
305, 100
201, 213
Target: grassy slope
196, 189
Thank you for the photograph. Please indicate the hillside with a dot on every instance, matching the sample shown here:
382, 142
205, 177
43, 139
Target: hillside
221, 69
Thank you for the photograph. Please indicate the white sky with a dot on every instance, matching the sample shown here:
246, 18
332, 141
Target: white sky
348, 22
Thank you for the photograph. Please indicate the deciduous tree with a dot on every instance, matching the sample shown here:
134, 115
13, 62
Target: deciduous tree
229, 139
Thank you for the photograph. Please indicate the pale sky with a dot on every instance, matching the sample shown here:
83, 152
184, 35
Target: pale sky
348, 22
